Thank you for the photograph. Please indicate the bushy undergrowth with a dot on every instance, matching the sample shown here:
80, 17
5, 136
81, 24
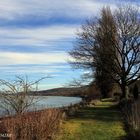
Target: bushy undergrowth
41, 125
131, 111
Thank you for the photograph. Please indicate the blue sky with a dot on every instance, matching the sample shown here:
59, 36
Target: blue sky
35, 36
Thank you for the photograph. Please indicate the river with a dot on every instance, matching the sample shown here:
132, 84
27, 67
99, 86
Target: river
42, 102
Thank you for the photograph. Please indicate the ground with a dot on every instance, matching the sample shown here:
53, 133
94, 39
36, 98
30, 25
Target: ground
100, 122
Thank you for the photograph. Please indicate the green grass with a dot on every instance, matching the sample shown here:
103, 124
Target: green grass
102, 122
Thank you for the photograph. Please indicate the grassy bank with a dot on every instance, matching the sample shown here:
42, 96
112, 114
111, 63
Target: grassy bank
100, 122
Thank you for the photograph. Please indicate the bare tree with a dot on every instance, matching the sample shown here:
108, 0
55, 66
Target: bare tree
127, 68
15, 97
92, 49
111, 46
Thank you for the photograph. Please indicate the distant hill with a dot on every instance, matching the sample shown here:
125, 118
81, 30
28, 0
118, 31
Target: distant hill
76, 91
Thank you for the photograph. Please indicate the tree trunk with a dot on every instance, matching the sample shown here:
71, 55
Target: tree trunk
125, 91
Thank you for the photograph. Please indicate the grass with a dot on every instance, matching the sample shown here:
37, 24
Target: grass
100, 122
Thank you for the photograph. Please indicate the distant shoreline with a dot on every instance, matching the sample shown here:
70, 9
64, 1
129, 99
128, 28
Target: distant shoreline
71, 92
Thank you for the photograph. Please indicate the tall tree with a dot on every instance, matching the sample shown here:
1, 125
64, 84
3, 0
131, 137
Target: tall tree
105, 37
110, 47
92, 49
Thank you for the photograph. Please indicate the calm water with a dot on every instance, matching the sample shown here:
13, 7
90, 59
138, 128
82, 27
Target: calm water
41, 102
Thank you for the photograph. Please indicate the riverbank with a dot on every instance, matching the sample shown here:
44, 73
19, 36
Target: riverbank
98, 121
101, 121
40, 124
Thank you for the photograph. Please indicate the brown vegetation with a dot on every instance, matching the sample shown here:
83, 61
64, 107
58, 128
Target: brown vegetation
40, 125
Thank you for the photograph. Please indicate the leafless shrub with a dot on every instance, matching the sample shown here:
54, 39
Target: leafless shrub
40, 125
14, 96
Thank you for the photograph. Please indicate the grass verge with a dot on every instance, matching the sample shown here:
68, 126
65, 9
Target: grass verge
100, 122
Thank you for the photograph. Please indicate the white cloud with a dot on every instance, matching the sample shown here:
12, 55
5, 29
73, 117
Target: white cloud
11, 9
35, 36
29, 70
31, 58
50, 86
18, 12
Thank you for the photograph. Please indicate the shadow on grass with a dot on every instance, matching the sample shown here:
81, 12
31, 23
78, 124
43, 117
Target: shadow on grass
104, 113
100, 113
129, 137
102, 121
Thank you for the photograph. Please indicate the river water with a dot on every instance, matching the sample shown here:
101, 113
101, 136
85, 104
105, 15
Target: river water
42, 102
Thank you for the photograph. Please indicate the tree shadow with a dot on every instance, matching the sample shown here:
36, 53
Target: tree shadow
101, 113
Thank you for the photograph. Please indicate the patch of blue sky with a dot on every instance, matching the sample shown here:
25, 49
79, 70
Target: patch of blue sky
60, 74
61, 45
38, 14
37, 21
36, 68
53, 65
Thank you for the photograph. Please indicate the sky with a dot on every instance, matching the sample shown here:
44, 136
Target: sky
36, 35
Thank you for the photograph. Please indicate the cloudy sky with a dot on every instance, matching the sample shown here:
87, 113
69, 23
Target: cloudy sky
35, 36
